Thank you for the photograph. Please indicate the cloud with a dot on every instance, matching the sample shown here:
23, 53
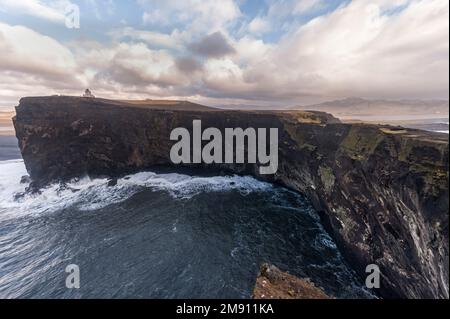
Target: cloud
153, 39
27, 52
259, 25
282, 15
33, 64
376, 49
188, 65
305, 6
193, 15
52, 10
284, 8
360, 50
102, 7
214, 45
135, 65
382, 49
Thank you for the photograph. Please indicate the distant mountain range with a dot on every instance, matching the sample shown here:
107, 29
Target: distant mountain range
358, 108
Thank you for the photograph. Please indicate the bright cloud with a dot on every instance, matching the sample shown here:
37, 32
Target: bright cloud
194, 15
279, 51
30, 54
52, 10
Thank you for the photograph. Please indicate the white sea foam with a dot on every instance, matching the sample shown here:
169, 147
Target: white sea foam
89, 194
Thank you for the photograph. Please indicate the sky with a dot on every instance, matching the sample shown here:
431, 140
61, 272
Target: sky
227, 52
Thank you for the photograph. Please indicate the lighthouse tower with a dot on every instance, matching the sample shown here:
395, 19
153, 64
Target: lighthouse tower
88, 94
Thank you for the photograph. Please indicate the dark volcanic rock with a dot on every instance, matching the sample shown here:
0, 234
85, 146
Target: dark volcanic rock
25, 179
381, 191
112, 182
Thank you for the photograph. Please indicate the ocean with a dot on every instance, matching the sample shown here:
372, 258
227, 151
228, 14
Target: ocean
435, 125
155, 235
9, 148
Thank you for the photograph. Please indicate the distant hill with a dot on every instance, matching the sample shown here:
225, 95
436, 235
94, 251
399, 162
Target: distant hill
358, 108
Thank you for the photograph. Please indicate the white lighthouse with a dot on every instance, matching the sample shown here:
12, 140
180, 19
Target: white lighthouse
88, 94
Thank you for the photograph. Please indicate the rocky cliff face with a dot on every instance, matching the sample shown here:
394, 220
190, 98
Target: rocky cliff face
272, 283
382, 192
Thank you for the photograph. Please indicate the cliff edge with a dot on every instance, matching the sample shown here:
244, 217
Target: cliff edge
381, 191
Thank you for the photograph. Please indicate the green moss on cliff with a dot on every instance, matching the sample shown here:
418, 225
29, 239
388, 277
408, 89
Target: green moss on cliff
327, 177
298, 136
360, 142
295, 134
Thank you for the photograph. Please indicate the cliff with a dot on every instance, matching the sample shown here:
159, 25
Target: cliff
382, 192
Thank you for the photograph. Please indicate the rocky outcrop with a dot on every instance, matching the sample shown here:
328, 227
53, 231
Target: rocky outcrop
272, 283
381, 191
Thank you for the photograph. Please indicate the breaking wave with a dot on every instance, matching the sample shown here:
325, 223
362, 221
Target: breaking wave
89, 194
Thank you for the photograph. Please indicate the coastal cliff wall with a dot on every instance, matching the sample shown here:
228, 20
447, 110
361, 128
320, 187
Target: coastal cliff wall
382, 192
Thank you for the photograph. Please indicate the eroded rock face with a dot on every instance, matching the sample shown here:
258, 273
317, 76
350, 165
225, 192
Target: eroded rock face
382, 192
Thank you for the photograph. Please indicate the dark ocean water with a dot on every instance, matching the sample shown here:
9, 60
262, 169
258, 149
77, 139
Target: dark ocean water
8, 148
160, 236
